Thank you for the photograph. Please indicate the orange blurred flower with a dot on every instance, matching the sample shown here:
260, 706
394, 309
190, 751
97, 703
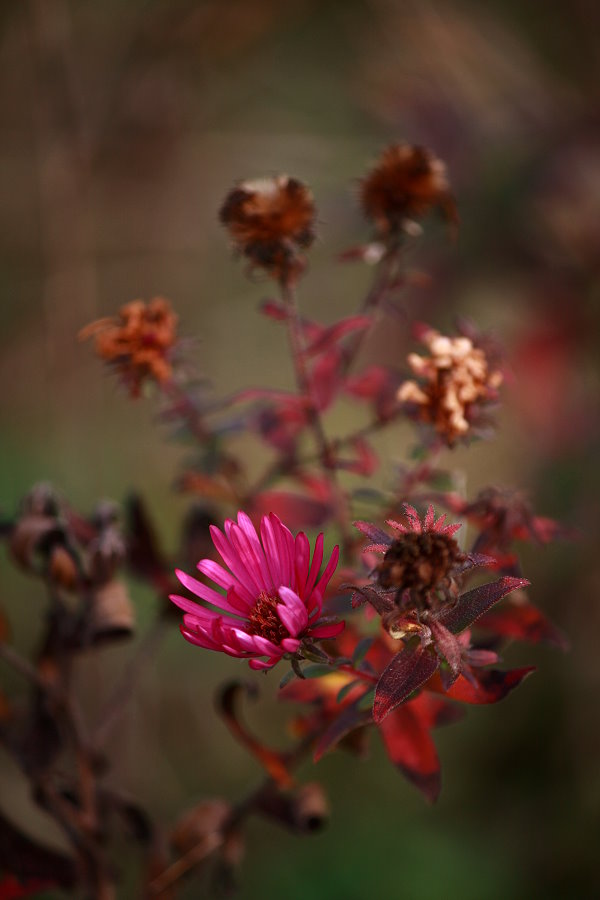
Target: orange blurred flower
454, 380
137, 341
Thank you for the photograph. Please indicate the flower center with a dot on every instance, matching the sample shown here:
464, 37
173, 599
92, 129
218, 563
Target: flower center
264, 621
419, 562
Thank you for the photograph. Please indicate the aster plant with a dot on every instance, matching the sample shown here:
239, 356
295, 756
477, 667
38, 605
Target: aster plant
391, 625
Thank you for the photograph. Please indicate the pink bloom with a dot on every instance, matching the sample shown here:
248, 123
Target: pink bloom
273, 598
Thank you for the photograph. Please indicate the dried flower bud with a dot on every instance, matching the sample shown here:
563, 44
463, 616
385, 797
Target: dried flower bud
32, 540
406, 183
271, 221
111, 614
137, 342
62, 568
454, 380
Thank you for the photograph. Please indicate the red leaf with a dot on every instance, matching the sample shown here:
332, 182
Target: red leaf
348, 720
492, 685
330, 336
410, 747
407, 671
524, 622
295, 510
325, 379
475, 603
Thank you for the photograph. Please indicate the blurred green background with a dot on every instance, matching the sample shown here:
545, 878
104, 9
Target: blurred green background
123, 125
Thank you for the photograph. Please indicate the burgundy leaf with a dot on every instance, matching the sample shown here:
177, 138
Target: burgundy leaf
475, 603
446, 644
377, 535
349, 719
380, 601
524, 622
490, 685
473, 560
407, 671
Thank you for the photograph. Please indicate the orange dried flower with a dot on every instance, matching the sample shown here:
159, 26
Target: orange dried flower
271, 221
137, 342
405, 184
454, 379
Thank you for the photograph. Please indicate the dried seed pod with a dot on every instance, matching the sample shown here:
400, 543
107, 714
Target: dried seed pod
405, 183
271, 221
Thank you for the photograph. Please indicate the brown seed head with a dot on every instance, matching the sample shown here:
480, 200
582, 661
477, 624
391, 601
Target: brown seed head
405, 184
271, 220
419, 563
137, 341
453, 378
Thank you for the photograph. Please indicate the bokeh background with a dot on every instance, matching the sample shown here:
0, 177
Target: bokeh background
123, 124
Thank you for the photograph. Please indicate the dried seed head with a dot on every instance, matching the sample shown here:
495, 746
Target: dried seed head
419, 562
137, 342
405, 184
454, 378
271, 220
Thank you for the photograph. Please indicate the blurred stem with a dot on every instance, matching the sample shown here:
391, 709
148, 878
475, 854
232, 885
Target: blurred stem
209, 843
128, 681
387, 273
324, 448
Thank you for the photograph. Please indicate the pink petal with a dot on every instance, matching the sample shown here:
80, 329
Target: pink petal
292, 611
231, 560
302, 560
251, 554
255, 546
258, 664
271, 550
329, 570
201, 590
290, 645
224, 578
243, 556
315, 566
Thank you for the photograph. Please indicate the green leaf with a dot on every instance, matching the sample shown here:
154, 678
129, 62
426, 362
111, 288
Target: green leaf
366, 701
316, 671
361, 650
289, 676
343, 692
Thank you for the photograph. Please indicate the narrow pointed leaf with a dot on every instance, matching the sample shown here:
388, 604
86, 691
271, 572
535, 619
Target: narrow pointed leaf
475, 603
289, 676
348, 720
491, 685
361, 650
524, 622
375, 534
446, 644
407, 671
343, 692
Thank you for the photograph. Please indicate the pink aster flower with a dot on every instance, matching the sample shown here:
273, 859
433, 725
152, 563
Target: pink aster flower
273, 594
